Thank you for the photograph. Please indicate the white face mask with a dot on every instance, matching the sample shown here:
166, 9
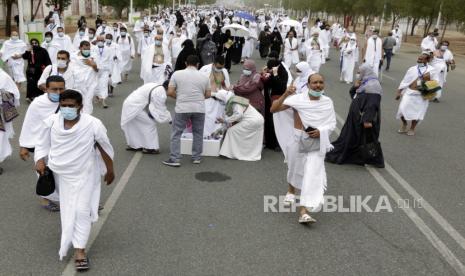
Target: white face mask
61, 34
62, 64
108, 41
375, 36
48, 39
246, 72
100, 44
357, 76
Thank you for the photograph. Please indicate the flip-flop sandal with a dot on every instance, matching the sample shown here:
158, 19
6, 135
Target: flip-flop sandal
133, 149
82, 264
306, 219
52, 207
410, 133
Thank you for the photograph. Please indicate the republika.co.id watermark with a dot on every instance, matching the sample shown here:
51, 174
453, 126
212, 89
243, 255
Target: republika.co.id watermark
342, 204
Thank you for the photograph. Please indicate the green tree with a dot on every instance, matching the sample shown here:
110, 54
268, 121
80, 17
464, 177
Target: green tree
61, 4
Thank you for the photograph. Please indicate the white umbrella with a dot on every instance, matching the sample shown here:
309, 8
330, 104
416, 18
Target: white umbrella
291, 23
236, 30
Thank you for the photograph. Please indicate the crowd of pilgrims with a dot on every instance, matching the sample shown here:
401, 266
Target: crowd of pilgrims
281, 106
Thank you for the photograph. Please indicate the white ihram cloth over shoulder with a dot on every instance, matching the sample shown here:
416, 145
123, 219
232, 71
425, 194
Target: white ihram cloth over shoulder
39, 110
77, 166
85, 81
16, 66
318, 114
9, 85
283, 121
139, 129
244, 140
213, 109
413, 106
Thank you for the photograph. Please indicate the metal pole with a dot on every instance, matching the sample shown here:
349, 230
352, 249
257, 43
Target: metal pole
21, 29
97, 8
174, 3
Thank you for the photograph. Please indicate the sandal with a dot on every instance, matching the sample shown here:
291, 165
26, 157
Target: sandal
151, 151
128, 148
289, 198
410, 133
402, 130
306, 219
52, 207
82, 264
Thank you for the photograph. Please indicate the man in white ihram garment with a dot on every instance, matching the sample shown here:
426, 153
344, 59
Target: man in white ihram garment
51, 46
176, 43
145, 42
142, 110
219, 79
7, 85
128, 51
63, 68
291, 50
64, 41
104, 57
373, 52
11, 53
314, 52
349, 56
244, 136
314, 118
413, 106
78, 152
85, 75
397, 34
41, 108
156, 67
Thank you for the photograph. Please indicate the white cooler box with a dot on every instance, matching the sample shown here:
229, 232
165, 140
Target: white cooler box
210, 147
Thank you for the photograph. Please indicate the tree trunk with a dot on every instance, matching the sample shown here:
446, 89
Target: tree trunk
414, 24
9, 4
365, 23
446, 22
406, 29
119, 12
355, 22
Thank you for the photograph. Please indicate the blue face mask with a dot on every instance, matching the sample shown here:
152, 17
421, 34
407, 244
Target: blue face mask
69, 113
315, 93
54, 97
85, 53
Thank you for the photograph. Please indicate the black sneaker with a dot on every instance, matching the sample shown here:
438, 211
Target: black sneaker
172, 163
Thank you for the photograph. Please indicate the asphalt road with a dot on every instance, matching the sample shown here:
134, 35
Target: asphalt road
209, 219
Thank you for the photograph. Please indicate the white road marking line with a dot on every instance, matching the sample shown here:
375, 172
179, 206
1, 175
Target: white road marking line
109, 204
419, 223
389, 77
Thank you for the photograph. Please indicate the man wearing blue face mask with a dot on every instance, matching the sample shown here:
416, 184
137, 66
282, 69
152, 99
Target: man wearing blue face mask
77, 148
128, 51
85, 74
314, 120
40, 109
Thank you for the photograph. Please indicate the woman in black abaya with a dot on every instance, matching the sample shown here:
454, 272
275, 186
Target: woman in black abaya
363, 123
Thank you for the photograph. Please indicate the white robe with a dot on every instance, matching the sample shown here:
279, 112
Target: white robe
7, 83
413, 106
65, 43
40, 109
16, 66
77, 40
291, 56
398, 36
315, 56
283, 122
440, 71
139, 129
77, 167
104, 59
325, 36
52, 48
213, 109
429, 44
244, 140
373, 53
127, 51
85, 81
176, 46
52, 70
148, 73
319, 114
349, 55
